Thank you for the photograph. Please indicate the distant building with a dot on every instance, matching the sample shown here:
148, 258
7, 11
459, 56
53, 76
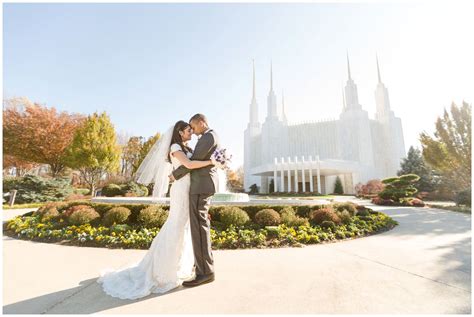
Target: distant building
307, 157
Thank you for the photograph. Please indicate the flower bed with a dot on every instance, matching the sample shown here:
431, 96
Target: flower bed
51, 224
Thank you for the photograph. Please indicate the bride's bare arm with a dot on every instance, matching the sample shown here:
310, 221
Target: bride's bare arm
188, 163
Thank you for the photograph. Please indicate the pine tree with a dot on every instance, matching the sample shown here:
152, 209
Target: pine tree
94, 150
338, 186
415, 164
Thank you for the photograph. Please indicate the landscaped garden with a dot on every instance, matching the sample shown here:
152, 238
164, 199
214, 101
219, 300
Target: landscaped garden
134, 226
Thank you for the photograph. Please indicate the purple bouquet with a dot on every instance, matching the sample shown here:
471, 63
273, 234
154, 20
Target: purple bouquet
221, 159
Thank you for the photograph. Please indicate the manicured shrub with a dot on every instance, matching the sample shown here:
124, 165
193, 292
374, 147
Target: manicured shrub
83, 216
111, 190
289, 218
152, 216
267, 217
324, 214
233, 216
349, 206
363, 213
134, 189
399, 187
74, 208
116, 215
329, 224
345, 216
49, 213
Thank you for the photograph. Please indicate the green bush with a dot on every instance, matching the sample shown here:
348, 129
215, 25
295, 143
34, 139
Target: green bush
317, 216
116, 215
400, 187
464, 198
83, 216
120, 228
127, 189
231, 215
349, 206
345, 216
33, 189
267, 217
152, 216
133, 189
289, 218
111, 190
363, 213
329, 224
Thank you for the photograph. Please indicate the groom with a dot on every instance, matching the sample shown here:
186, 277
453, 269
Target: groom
203, 186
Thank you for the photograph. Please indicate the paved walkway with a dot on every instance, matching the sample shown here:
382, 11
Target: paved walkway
421, 266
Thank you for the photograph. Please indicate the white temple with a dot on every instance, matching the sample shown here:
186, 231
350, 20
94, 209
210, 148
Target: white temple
307, 157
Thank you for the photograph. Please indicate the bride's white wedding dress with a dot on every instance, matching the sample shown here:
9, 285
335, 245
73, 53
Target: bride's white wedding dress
170, 259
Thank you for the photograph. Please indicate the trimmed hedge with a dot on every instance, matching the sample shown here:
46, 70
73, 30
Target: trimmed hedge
140, 228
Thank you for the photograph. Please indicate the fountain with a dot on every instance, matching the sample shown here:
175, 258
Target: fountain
223, 195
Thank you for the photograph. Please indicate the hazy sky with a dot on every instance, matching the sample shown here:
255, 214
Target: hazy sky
149, 65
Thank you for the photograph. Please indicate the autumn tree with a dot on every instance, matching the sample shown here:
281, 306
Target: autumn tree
94, 150
235, 180
131, 155
21, 167
35, 133
147, 145
449, 151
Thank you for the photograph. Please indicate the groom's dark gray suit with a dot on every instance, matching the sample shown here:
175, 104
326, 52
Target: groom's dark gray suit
203, 185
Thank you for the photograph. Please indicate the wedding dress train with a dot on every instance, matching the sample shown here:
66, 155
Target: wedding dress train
170, 259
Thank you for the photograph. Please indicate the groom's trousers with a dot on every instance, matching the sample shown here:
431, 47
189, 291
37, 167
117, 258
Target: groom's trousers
201, 232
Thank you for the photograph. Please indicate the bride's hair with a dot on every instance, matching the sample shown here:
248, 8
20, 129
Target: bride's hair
176, 138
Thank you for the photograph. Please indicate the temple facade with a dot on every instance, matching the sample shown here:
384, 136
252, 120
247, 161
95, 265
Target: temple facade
307, 157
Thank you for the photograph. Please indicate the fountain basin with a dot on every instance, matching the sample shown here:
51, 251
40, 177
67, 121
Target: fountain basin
217, 202
230, 197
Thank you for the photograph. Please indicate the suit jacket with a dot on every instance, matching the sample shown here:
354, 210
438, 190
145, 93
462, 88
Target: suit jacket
203, 180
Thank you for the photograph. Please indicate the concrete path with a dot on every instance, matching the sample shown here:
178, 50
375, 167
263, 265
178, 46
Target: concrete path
421, 266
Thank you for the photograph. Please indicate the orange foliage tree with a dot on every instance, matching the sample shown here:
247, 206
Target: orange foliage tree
35, 133
21, 167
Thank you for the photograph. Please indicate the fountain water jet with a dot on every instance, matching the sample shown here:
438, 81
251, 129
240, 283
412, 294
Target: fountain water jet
223, 195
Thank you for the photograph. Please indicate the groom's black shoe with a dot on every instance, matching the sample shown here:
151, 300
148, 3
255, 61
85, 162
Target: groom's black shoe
200, 279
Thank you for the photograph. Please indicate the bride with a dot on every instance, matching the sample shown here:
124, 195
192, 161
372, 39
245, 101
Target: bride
170, 259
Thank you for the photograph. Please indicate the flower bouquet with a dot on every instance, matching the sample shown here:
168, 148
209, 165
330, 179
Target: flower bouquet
221, 159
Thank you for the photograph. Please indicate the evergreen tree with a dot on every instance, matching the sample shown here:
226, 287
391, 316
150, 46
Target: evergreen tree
415, 164
338, 186
94, 150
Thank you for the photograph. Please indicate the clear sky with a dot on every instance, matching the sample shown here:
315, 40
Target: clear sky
149, 65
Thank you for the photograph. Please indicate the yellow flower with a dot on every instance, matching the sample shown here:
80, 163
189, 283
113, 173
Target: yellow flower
113, 233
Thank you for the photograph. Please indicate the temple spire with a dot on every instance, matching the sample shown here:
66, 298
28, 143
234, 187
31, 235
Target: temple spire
348, 66
343, 99
378, 69
271, 76
253, 94
283, 106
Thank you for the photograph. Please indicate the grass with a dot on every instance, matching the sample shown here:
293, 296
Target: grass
463, 209
24, 206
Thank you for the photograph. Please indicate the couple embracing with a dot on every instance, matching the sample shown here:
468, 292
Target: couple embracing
180, 254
